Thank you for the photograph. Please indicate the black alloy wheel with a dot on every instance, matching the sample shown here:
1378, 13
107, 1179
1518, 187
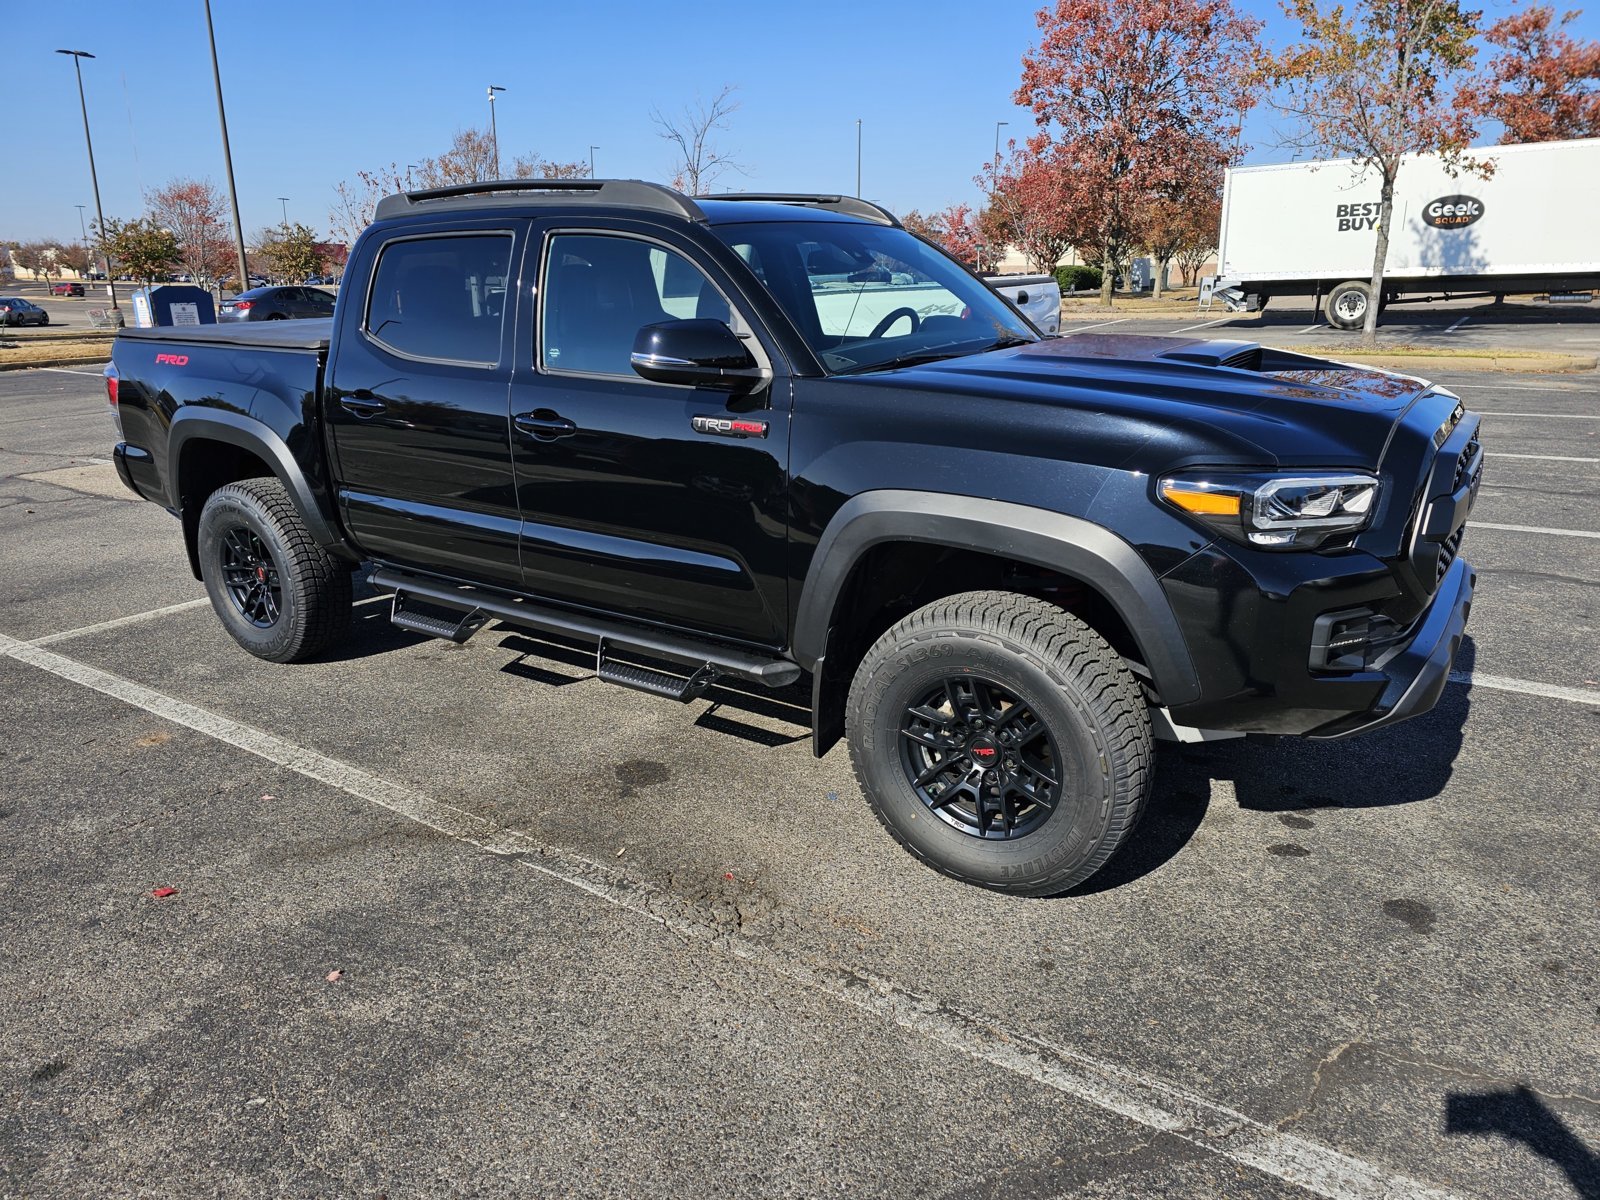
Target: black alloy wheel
981, 758
251, 577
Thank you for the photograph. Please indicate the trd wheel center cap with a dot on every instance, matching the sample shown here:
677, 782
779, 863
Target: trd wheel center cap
984, 751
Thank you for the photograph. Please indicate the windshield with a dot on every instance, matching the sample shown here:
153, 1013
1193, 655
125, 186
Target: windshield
870, 297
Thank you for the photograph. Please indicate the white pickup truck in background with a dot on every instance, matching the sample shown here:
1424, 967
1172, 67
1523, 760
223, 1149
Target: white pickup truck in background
1037, 297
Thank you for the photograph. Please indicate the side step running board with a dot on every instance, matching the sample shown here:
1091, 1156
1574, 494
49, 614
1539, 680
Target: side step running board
657, 683
467, 609
451, 624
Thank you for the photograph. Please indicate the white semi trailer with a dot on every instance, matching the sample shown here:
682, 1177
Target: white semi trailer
1310, 229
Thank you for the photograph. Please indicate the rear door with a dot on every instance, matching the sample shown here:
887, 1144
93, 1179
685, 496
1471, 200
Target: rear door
418, 402
626, 504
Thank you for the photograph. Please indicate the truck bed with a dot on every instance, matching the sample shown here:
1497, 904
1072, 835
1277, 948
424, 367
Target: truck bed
310, 334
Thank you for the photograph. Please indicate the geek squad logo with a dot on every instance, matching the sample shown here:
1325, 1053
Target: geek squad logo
1453, 212
1447, 212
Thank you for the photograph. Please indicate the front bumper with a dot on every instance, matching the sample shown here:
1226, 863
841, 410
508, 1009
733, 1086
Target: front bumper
1417, 674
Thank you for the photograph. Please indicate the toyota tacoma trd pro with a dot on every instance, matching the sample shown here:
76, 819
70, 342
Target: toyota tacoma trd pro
774, 439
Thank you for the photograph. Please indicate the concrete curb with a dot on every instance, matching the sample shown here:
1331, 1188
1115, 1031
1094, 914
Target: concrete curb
64, 360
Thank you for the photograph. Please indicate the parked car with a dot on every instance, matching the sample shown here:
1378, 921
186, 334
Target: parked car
66, 287
661, 423
319, 280
14, 310
276, 304
97, 275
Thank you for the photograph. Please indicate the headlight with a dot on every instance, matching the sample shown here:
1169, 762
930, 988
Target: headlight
1275, 511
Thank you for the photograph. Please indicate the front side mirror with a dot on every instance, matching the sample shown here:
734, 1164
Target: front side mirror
700, 352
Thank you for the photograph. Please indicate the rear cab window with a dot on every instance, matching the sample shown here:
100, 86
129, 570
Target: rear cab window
441, 297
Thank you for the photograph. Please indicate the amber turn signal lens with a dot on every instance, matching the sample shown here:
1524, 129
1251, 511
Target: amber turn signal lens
1210, 504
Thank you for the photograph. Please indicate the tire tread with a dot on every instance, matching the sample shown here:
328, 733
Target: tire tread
1065, 647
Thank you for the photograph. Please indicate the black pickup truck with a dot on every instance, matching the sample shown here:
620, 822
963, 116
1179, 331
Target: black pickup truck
767, 438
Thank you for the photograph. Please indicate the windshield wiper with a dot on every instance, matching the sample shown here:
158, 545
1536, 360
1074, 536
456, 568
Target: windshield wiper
935, 354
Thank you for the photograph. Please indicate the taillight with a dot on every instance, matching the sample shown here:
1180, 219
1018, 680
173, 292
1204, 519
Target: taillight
244, 304
111, 397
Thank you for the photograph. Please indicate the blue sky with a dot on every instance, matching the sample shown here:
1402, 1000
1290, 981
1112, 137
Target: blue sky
316, 91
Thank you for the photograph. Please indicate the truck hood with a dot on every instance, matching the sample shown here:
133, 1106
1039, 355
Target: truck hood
1237, 399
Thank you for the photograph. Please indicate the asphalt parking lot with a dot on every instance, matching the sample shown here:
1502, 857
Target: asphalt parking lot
464, 920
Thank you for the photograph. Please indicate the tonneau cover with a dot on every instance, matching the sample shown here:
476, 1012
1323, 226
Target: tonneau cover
309, 334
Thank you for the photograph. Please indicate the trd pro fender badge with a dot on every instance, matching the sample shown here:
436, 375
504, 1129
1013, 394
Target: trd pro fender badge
1452, 212
735, 427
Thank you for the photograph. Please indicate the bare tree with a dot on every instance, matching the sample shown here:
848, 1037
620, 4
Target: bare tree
699, 162
356, 201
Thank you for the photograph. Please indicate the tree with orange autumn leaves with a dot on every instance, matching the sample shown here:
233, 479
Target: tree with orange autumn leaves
1128, 95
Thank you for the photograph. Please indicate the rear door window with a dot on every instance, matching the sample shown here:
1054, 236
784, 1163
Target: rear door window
441, 298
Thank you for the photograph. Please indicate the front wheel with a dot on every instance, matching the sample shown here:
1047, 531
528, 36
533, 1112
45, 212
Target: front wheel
282, 597
1002, 741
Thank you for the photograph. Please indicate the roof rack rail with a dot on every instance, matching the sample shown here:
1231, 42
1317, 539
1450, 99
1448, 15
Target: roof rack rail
850, 205
617, 193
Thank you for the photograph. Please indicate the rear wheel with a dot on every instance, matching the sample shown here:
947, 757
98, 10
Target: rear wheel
1346, 306
1001, 741
282, 597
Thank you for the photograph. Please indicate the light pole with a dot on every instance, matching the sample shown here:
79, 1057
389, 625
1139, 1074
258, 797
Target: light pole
592, 149
997, 126
410, 167
285, 202
227, 154
858, 158
99, 212
82, 228
494, 134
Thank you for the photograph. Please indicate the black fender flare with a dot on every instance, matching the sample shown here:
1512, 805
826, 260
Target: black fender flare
1071, 545
236, 429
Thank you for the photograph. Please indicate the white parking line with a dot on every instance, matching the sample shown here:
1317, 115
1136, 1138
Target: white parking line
69, 371
1542, 457
1511, 387
1137, 1096
1458, 324
135, 619
1207, 325
1096, 325
1548, 416
1584, 533
1526, 687
1312, 328
151, 614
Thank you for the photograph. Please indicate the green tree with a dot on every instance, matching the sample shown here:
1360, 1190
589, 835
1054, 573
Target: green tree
139, 247
290, 252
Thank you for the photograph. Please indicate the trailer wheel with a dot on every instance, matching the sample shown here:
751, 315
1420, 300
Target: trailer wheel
1346, 305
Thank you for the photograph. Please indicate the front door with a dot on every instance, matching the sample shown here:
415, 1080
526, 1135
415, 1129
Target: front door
629, 504
419, 406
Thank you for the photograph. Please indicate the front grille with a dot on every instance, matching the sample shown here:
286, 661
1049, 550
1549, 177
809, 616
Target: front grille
1464, 462
1447, 554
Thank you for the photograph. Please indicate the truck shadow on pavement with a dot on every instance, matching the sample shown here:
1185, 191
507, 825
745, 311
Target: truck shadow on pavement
1406, 764
1518, 1115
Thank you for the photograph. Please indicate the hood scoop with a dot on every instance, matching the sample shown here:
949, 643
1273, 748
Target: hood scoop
1242, 356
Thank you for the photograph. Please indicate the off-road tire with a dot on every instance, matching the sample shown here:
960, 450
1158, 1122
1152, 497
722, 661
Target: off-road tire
1083, 692
314, 586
